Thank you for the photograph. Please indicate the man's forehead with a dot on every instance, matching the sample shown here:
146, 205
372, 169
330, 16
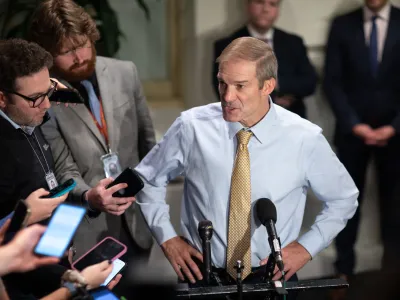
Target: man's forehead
237, 69
72, 42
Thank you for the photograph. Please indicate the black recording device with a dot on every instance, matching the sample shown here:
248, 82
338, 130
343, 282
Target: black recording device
19, 219
205, 229
132, 179
266, 213
68, 95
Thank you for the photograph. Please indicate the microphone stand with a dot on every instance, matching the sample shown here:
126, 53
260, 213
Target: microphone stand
239, 267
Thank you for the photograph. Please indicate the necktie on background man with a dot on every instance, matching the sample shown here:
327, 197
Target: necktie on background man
373, 47
239, 228
94, 101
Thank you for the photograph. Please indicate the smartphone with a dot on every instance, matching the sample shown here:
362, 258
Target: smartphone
118, 266
107, 249
19, 219
102, 293
130, 177
67, 96
61, 189
60, 231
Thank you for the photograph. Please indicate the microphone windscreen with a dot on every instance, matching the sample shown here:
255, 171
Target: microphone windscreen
266, 210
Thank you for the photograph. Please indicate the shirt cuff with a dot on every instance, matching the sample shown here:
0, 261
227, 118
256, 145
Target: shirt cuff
92, 212
164, 232
312, 242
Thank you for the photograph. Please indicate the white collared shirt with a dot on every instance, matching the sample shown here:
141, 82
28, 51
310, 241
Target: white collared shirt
382, 23
288, 155
268, 36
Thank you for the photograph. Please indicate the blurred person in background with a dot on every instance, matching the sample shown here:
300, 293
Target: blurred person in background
362, 75
297, 78
113, 125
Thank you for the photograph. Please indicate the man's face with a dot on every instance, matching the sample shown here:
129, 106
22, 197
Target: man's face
75, 63
242, 99
263, 13
375, 5
19, 109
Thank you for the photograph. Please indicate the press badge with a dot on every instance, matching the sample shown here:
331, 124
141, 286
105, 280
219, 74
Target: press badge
111, 165
51, 180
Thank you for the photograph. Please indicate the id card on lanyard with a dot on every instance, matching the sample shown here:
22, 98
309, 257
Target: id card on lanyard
110, 161
49, 175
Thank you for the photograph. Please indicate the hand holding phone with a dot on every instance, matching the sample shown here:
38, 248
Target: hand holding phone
60, 231
101, 197
67, 95
61, 189
19, 251
132, 179
19, 219
107, 249
118, 266
42, 208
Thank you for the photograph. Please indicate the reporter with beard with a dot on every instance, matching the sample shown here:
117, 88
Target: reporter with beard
112, 126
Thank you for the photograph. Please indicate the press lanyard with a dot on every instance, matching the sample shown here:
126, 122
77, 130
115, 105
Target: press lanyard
103, 126
37, 154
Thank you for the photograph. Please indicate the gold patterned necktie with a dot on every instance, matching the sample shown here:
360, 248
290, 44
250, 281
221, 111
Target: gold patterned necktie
239, 229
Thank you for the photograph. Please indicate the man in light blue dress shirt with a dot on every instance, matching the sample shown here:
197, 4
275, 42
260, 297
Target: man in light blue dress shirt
288, 155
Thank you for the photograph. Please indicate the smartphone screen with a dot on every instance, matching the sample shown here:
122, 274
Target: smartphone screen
103, 293
108, 249
60, 231
118, 265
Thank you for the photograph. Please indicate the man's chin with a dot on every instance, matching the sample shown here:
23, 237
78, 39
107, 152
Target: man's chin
231, 118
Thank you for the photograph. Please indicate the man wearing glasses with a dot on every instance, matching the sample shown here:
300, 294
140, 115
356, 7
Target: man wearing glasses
27, 167
110, 131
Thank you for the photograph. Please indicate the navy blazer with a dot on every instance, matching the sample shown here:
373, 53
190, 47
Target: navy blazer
296, 75
355, 95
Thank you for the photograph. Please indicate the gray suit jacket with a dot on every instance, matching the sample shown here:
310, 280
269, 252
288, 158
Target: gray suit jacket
77, 146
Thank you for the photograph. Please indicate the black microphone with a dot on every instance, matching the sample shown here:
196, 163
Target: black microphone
266, 212
205, 231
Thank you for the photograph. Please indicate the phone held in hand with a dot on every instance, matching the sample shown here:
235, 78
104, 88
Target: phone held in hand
19, 219
60, 231
132, 179
118, 266
67, 96
107, 249
61, 189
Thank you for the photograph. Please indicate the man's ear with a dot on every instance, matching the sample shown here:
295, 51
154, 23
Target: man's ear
3, 100
269, 86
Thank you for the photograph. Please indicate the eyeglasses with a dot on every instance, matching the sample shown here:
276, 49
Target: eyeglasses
37, 100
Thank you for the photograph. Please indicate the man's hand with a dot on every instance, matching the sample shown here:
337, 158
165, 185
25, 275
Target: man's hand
42, 208
18, 253
179, 254
294, 257
384, 134
102, 199
114, 282
285, 101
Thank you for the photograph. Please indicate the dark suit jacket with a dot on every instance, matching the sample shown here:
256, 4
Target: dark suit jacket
354, 94
296, 75
20, 171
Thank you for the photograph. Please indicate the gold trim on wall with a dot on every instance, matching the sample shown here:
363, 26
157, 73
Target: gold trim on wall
170, 88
